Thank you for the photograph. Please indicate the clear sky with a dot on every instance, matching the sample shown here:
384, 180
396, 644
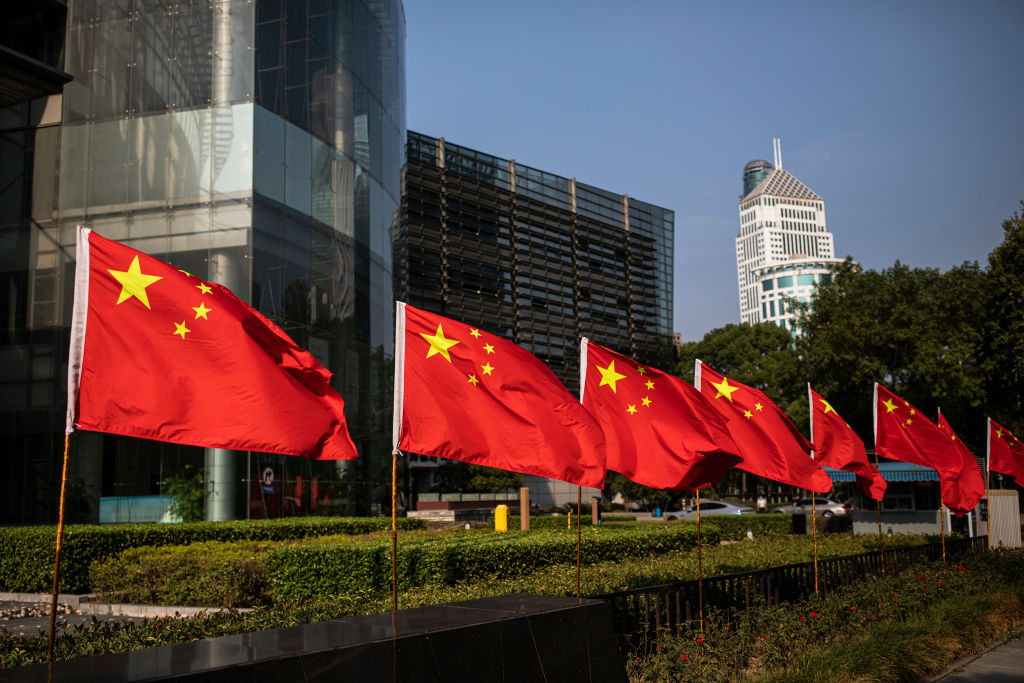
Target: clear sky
907, 118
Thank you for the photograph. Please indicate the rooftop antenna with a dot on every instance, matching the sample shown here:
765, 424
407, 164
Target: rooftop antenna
777, 150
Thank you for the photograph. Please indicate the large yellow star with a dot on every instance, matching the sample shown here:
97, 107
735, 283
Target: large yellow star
609, 376
134, 283
828, 406
439, 343
889, 405
724, 389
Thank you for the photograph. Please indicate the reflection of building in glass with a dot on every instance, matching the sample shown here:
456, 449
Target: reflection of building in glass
783, 248
255, 144
539, 259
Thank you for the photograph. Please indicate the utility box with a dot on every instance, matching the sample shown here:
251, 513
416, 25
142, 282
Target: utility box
501, 518
1003, 524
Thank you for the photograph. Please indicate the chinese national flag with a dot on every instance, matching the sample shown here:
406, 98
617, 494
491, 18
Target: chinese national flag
903, 433
961, 494
1005, 452
464, 394
837, 445
661, 432
160, 354
770, 444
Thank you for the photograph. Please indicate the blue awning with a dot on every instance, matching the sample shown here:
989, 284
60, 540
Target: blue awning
891, 471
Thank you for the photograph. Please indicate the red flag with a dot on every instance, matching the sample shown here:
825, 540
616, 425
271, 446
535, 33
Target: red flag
1005, 452
903, 433
961, 494
837, 445
661, 432
157, 353
464, 394
770, 444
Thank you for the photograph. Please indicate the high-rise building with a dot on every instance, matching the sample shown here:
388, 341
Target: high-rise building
254, 143
784, 247
534, 257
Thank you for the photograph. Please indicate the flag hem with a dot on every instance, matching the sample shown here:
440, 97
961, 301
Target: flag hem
399, 384
79, 317
583, 365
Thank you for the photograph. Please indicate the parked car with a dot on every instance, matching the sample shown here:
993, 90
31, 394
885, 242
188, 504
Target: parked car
823, 507
710, 507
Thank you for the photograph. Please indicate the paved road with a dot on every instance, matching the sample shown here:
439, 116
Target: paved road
38, 621
1003, 663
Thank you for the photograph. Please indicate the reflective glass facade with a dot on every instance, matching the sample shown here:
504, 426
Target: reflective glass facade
255, 143
539, 259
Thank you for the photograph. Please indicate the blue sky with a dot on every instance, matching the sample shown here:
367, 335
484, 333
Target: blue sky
906, 117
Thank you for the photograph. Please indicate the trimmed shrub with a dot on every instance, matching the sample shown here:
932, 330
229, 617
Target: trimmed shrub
734, 527
302, 573
561, 522
26, 559
212, 573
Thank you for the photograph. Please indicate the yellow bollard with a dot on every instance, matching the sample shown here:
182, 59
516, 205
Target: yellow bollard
570, 520
501, 518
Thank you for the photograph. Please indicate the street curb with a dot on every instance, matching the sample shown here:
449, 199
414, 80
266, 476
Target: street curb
961, 663
84, 605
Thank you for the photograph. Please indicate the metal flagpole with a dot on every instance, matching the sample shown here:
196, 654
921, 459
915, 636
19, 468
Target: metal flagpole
881, 550
56, 559
394, 534
700, 570
988, 481
814, 535
942, 529
579, 536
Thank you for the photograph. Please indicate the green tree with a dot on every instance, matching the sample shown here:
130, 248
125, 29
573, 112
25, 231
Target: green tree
456, 476
187, 494
647, 497
1003, 359
916, 330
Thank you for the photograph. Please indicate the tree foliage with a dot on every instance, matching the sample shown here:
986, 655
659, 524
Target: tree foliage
454, 476
187, 494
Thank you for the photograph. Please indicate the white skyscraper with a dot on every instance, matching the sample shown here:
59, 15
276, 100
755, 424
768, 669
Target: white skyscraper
784, 247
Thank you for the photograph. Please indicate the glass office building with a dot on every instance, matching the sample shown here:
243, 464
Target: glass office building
254, 143
534, 257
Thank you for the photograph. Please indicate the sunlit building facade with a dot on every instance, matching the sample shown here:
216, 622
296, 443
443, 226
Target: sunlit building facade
255, 143
784, 247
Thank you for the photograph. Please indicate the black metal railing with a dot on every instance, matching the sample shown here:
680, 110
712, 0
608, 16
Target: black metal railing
668, 607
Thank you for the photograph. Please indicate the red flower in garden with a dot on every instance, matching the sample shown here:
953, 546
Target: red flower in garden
699, 639
803, 618
684, 658
814, 615
874, 616
852, 608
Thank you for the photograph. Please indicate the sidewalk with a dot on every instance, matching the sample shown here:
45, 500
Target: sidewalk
1000, 663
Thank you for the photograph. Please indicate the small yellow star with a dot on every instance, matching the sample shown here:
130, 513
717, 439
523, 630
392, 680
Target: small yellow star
134, 282
913, 412
185, 271
909, 421
439, 343
724, 389
473, 380
999, 433
828, 407
650, 384
609, 376
180, 329
201, 311
631, 409
205, 289
475, 332
889, 405
952, 437
488, 348
647, 401
487, 368
642, 370
747, 414
758, 407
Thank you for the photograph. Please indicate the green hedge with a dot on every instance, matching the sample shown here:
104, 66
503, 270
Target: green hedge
734, 527
26, 553
212, 573
301, 573
561, 522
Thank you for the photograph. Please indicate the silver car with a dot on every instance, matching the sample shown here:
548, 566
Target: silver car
823, 507
710, 507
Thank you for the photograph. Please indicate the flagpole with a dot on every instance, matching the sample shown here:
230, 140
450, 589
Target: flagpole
56, 559
881, 550
394, 534
988, 481
700, 570
942, 529
579, 536
814, 535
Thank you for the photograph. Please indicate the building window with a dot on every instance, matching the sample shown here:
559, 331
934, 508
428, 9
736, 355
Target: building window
785, 281
767, 285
